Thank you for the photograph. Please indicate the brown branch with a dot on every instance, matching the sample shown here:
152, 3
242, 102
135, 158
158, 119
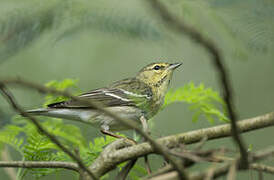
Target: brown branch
40, 164
104, 162
129, 123
5, 156
231, 174
108, 159
122, 175
221, 171
164, 170
262, 168
178, 25
17, 108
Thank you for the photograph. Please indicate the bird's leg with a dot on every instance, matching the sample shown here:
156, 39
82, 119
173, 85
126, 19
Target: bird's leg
144, 124
126, 169
108, 133
146, 130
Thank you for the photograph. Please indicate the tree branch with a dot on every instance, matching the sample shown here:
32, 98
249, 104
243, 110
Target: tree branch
17, 108
108, 159
262, 168
5, 156
178, 25
259, 155
220, 171
40, 164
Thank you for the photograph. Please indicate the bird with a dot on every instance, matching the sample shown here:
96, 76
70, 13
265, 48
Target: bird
138, 98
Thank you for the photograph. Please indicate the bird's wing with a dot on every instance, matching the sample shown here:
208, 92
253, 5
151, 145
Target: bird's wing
115, 95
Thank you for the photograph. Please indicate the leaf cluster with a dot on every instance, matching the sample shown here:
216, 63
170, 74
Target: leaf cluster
203, 101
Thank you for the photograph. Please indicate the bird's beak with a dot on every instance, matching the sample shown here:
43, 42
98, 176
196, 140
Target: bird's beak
174, 66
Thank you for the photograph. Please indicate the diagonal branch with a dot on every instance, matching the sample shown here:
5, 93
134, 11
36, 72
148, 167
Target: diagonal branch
17, 108
220, 170
109, 158
223, 170
217, 60
262, 168
40, 164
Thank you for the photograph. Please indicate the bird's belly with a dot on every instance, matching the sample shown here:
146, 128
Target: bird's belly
97, 118
108, 123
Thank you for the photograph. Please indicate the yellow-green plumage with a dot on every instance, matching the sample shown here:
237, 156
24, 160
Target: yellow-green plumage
130, 98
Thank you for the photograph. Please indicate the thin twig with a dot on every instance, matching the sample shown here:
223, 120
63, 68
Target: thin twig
16, 107
163, 170
200, 144
179, 26
219, 171
5, 156
126, 169
223, 170
260, 175
129, 123
148, 168
232, 171
40, 164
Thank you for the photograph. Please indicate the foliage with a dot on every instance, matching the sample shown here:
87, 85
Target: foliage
202, 101
65, 84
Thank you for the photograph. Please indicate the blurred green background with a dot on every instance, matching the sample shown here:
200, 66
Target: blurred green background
100, 42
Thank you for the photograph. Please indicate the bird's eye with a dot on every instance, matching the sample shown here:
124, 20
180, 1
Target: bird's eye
156, 67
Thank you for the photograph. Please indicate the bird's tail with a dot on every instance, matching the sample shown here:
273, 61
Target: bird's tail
40, 111
74, 114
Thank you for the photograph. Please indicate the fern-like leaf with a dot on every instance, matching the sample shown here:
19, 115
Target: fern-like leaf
203, 101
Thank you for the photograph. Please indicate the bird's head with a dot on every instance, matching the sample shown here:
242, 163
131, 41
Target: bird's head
157, 74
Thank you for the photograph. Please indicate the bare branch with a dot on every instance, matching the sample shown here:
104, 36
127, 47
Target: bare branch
126, 169
104, 162
108, 159
40, 164
259, 155
17, 108
5, 156
178, 25
232, 171
164, 170
262, 168
219, 171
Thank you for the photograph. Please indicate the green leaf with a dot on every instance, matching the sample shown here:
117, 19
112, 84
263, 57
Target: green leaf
10, 135
59, 85
203, 101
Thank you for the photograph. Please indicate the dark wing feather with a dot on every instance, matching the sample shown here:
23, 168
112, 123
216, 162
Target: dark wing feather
106, 97
129, 92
